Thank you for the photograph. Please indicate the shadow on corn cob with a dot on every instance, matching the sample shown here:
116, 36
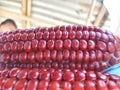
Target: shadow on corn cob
58, 58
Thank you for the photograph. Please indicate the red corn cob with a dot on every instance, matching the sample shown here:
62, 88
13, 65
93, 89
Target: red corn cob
58, 58
58, 79
100, 44
95, 66
56, 74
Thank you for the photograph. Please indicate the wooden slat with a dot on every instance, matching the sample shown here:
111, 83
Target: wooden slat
23, 17
29, 3
91, 12
24, 12
100, 16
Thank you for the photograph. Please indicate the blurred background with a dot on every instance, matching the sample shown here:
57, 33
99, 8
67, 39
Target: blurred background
32, 13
